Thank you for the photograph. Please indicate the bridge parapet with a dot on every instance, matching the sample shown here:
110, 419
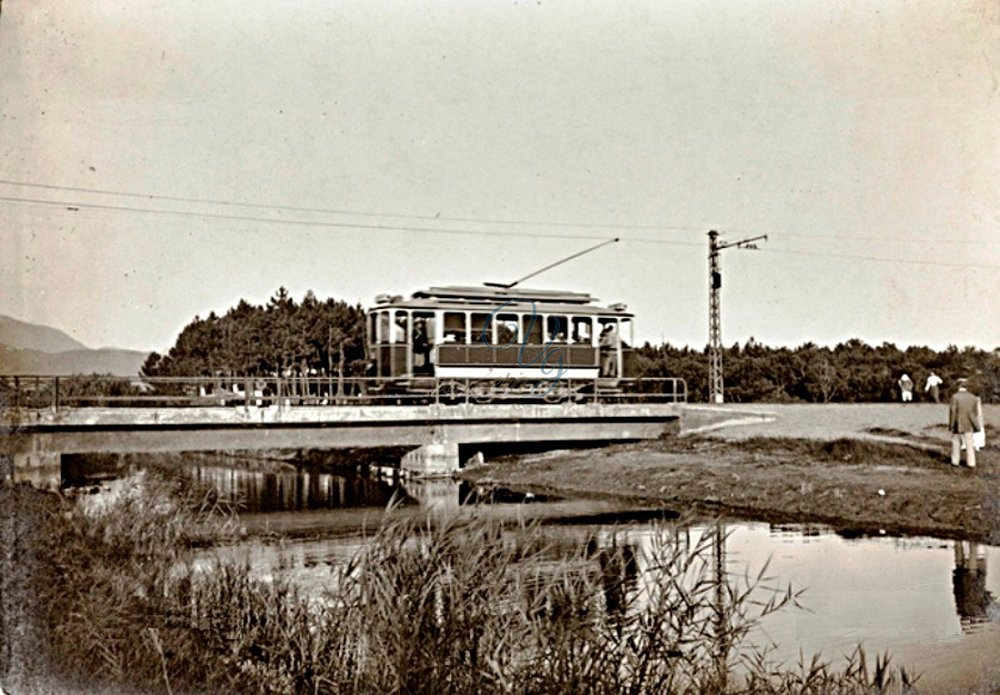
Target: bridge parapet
58, 392
46, 419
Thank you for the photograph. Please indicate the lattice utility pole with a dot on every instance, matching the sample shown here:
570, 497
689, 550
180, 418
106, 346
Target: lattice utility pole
715, 383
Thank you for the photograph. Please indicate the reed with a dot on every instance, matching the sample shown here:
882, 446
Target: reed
460, 605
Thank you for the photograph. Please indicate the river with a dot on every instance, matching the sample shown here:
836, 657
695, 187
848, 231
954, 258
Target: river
909, 595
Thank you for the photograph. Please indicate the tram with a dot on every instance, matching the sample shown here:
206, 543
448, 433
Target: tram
494, 343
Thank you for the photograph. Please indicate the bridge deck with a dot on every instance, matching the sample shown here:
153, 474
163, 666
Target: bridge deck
188, 429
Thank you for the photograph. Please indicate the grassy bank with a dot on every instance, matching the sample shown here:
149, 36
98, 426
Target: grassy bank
835, 482
113, 600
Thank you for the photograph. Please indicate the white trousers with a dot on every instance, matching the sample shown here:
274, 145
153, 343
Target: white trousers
957, 440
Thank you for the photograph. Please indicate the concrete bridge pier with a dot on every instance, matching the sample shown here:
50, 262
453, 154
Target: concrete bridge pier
42, 469
431, 461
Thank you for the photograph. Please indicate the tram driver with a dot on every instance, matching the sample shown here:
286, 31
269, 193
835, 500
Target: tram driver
609, 351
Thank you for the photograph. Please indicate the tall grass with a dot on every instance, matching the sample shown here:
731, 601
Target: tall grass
462, 606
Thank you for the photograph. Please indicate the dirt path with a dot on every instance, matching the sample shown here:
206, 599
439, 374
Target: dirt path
876, 421
871, 469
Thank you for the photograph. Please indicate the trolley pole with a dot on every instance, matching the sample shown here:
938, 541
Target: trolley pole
715, 381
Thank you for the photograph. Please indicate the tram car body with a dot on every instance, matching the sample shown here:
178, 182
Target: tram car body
499, 343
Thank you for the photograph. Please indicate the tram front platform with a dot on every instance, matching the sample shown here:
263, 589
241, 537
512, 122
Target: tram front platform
34, 440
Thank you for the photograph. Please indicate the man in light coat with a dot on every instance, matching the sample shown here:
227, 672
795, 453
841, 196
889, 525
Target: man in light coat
933, 387
963, 421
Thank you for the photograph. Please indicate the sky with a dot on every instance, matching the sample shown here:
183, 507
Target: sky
861, 137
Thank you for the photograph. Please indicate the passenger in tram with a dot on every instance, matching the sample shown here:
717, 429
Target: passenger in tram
609, 351
422, 345
431, 337
419, 343
507, 333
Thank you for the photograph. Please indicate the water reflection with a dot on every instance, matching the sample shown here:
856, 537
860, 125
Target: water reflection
887, 592
261, 492
293, 491
619, 577
972, 601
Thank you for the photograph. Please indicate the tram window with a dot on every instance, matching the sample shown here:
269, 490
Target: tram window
507, 330
428, 325
400, 328
476, 328
454, 327
422, 337
610, 335
625, 332
533, 328
556, 328
583, 330
383, 326
372, 337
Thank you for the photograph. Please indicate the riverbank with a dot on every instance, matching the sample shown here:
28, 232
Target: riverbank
863, 469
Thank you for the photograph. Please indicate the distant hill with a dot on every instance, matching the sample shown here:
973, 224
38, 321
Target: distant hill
30, 348
21, 335
104, 361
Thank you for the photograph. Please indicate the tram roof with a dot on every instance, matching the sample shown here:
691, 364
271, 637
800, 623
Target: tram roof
520, 299
504, 294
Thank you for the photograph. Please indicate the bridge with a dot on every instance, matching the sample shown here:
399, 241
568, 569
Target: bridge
44, 421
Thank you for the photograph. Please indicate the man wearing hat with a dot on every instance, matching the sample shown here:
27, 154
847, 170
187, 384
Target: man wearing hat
963, 421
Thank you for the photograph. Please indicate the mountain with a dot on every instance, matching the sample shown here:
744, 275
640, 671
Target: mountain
28, 348
104, 361
21, 335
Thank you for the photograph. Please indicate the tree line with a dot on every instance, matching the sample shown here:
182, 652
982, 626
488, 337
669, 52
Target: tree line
327, 337
851, 372
279, 337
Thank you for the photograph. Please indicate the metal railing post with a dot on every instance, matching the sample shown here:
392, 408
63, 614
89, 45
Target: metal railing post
55, 395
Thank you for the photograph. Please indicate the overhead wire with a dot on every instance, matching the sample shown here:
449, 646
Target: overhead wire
77, 205
467, 219
73, 206
881, 259
887, 240
342, 211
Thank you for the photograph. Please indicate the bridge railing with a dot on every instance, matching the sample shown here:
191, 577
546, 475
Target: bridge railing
56, 392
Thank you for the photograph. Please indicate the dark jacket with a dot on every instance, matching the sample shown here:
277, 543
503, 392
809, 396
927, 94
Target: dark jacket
962, 415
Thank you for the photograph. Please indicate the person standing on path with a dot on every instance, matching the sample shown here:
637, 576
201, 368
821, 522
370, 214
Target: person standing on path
906, 388
933, 387
963, 422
